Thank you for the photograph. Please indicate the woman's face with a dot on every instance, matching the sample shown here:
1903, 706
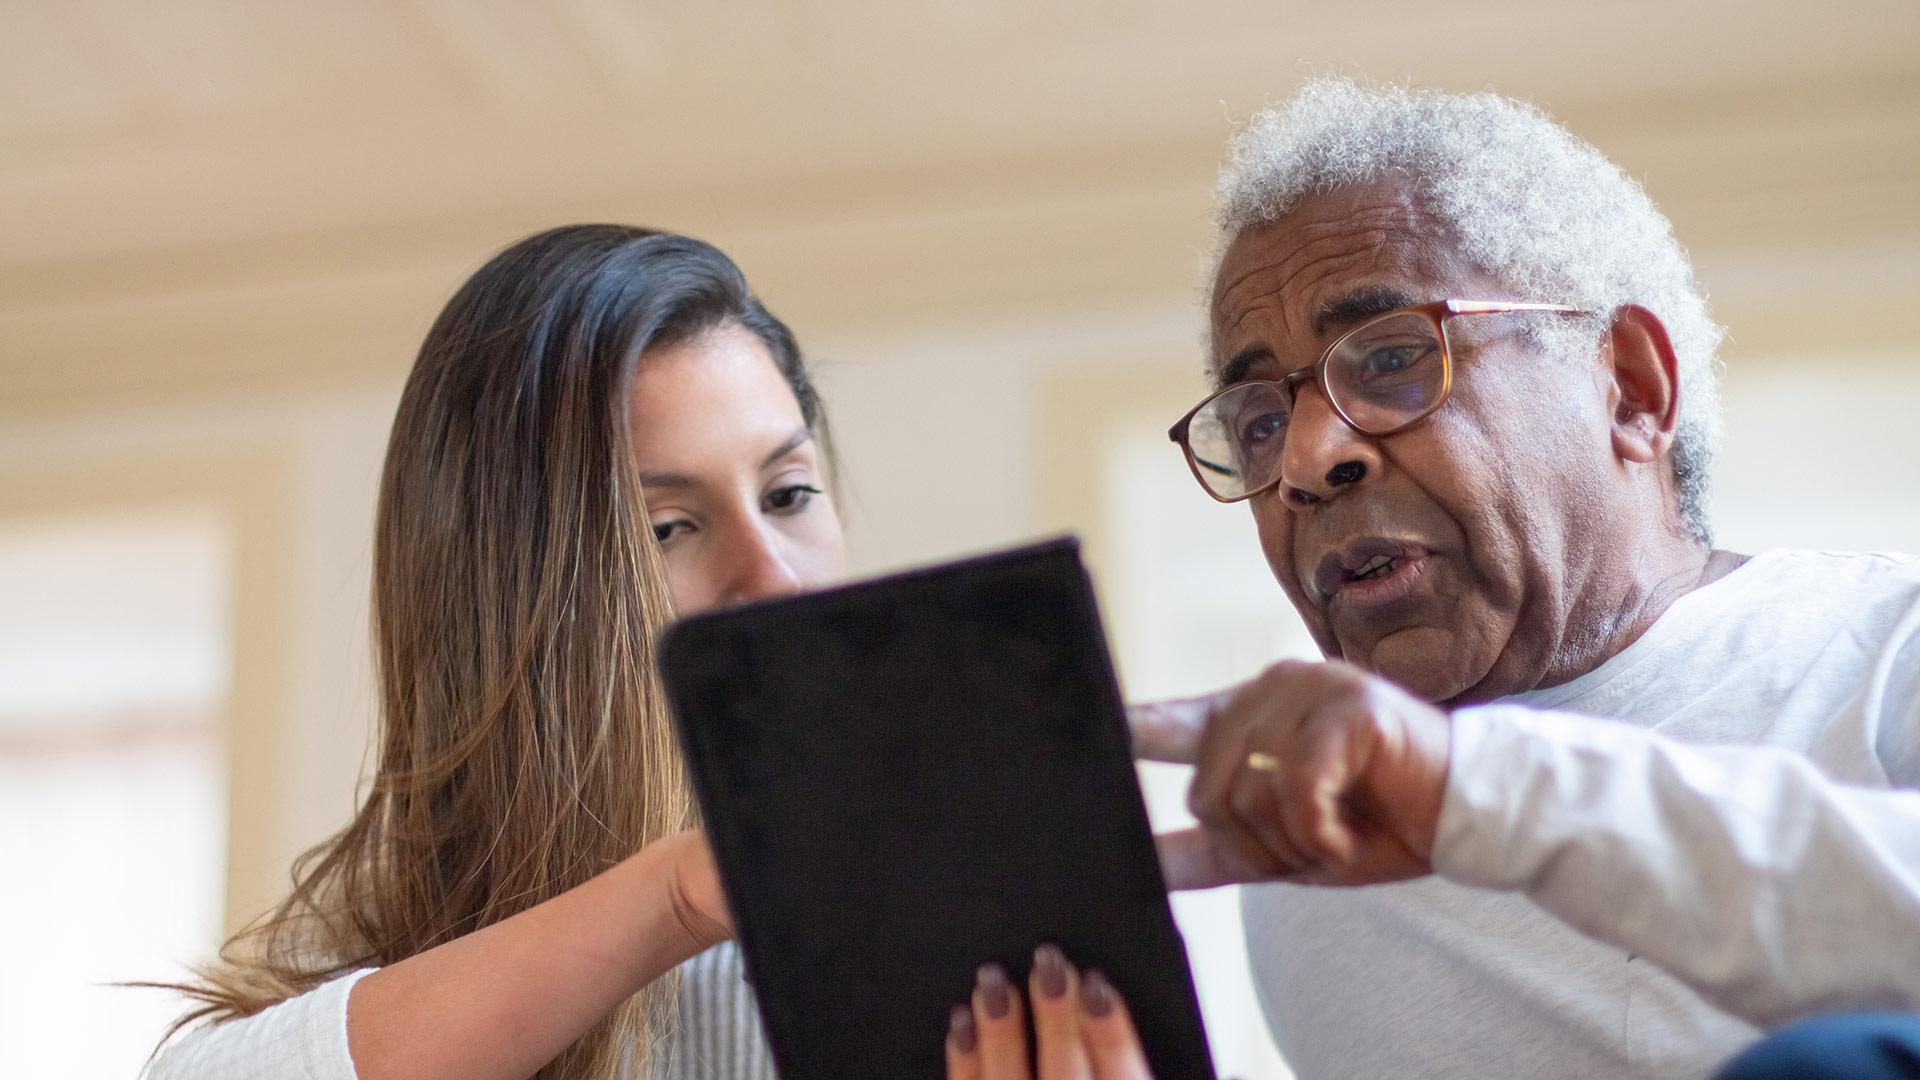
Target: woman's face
734, 483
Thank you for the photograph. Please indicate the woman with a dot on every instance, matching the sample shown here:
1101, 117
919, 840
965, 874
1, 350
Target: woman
602, 427
1081, 1027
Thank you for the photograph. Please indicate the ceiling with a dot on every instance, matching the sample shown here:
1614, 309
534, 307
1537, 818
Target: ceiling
201, 194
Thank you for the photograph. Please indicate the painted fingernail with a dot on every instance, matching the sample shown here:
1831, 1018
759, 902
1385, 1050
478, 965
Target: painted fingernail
995, 994
1096, 996
961, 1030
1050, 964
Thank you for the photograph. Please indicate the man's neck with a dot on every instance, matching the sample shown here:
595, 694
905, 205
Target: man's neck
1614, 618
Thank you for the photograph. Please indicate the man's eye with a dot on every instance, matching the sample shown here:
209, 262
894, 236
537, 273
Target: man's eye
791, 499
1392, 360
1261, 428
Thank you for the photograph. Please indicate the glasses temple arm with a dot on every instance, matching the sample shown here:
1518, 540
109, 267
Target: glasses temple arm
1496, 307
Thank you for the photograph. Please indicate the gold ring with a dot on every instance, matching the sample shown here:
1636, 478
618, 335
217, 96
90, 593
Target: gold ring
1261, 761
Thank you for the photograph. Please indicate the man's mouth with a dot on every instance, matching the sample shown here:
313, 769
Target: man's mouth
1374, 567
1370, 570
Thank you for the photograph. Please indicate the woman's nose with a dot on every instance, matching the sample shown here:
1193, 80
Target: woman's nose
762, 568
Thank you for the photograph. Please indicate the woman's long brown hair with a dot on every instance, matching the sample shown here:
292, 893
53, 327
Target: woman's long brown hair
524, 744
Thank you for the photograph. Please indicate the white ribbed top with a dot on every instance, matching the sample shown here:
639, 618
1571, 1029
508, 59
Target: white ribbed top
718, 1036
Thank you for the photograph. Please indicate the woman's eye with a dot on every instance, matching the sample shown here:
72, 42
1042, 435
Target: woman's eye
665, 532
791, 499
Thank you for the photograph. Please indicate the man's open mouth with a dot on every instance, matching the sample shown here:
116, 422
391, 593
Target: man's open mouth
1367, 565
1378, 566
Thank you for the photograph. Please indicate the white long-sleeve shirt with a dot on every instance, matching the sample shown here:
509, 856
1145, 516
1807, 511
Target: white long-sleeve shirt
1737, 844
717, 1034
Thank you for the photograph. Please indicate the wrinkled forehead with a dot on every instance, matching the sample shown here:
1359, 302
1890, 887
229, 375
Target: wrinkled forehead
1292, 284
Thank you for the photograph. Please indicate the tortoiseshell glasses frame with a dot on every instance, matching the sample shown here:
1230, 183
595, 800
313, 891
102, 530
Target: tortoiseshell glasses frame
1383, 376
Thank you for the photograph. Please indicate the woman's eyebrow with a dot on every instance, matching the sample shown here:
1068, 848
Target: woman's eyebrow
665, 480
800, 437
793, 442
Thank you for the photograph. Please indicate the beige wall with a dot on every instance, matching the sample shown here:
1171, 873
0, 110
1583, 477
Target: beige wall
293, 476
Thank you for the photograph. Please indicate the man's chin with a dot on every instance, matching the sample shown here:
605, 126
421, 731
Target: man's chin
1420, 659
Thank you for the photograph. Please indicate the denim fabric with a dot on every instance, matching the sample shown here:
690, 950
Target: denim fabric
1856, 1046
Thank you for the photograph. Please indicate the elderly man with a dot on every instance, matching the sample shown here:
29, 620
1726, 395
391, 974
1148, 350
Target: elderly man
1639, 799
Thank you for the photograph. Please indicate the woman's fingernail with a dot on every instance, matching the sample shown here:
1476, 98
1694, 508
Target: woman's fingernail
1096, 997
961, 1030
1051, 965
995, 994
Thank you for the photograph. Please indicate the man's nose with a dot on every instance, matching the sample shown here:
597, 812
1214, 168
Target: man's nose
1323, 457
762, 568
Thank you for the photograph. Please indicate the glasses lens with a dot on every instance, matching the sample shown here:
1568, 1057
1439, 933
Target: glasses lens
1235, 438
1388, 372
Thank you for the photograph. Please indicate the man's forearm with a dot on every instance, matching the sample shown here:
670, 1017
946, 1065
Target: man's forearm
1742, 871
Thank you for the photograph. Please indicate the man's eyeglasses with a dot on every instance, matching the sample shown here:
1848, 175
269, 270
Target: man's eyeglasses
1386, 374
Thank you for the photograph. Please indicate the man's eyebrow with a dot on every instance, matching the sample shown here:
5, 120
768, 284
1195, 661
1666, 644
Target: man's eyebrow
1337, 314
1235, 370
1354, 307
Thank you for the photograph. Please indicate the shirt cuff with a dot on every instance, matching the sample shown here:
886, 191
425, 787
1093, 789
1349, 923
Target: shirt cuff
1470, 834
1511, 772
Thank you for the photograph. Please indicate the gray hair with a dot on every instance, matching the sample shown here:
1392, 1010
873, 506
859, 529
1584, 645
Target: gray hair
1524, 200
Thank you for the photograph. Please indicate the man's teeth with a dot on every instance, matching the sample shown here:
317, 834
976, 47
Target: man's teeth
1374, 567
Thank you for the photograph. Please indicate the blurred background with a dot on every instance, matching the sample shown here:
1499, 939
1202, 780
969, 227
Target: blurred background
225, 226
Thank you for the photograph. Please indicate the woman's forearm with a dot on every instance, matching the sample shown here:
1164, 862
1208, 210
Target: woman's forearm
499, 1003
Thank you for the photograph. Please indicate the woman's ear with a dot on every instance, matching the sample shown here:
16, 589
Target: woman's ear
1644, 385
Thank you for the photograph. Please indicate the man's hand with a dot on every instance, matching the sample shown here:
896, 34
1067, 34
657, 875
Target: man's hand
1313, 772
1170, 730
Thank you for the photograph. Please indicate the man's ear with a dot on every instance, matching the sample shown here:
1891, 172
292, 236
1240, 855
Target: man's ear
1644, 384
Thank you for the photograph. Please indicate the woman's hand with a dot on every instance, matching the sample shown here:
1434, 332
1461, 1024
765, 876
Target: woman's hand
694, 890
1081, 1027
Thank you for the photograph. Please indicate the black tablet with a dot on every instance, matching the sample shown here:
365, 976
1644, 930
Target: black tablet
908, 777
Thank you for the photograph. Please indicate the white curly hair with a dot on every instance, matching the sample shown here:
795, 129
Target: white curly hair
1525, 201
